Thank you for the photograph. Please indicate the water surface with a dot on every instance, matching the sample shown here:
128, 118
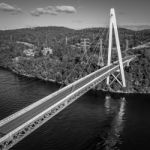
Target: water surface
91, 123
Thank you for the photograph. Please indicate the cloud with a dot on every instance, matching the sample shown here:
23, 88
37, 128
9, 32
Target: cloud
53, 10
8, 8
66, 9
41, 11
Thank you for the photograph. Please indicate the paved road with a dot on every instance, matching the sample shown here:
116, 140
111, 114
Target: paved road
13, 124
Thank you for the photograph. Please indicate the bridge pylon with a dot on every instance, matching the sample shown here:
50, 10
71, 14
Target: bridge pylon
113, 25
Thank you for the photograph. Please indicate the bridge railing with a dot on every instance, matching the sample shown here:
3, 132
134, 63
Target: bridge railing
19, 132
64, 91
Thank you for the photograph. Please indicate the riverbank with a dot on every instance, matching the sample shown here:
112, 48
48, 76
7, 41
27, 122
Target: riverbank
97, 89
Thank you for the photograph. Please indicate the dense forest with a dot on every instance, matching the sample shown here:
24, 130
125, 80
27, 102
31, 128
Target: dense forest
68, 60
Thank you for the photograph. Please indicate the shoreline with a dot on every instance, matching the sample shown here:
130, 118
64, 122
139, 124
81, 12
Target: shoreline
60, 83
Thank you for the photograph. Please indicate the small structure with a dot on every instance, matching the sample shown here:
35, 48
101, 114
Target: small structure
17, 58
77, 45
29, 52
47, 51
73, 46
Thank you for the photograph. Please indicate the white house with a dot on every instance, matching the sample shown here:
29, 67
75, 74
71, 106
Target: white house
47, 51
29, 52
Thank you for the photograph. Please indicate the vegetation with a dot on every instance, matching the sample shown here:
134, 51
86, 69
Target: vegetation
68, 61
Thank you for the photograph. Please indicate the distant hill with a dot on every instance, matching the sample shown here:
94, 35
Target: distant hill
37, 35
53, 35
136, 27
48, 28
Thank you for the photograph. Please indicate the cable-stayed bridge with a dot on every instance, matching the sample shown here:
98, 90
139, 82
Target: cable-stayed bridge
17, 126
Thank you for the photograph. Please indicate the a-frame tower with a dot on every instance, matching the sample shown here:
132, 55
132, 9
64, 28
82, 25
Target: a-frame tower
113, 25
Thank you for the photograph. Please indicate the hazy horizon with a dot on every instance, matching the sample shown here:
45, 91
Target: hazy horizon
130, 27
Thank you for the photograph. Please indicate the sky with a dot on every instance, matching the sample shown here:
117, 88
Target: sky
75, 14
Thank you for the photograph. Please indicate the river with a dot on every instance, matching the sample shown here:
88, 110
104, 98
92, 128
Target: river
91, 123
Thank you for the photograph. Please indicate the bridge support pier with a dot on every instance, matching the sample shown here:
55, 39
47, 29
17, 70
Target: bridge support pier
113, 24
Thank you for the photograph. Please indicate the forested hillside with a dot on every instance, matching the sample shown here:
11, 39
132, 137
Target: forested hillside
68, 61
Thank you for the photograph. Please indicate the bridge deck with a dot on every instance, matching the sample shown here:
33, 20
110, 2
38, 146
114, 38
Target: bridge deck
16, 122
30, 114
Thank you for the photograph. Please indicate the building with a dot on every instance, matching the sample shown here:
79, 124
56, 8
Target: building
47, 51
29, 52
